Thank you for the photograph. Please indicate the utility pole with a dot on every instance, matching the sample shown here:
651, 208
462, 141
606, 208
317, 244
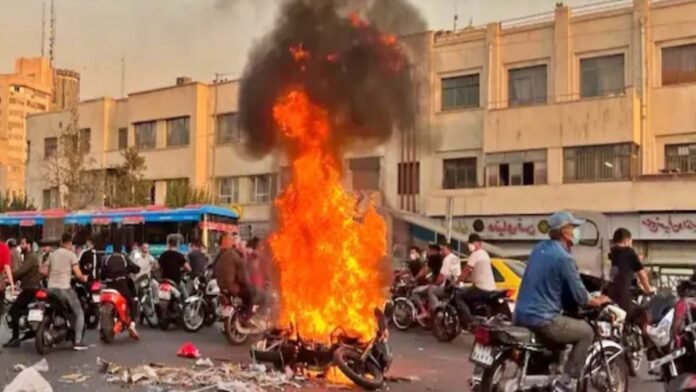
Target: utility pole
43, 29
456, 14
123, 75
52, 37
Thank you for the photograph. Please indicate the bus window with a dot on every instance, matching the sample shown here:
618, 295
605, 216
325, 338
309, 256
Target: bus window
156, 233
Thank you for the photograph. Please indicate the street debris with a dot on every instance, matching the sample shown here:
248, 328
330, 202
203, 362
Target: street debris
73, 378
28, 380
41, 366
188, 350
205, 375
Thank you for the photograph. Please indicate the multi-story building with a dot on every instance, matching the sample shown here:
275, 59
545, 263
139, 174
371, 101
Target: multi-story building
66, 90
586, 108
27, 90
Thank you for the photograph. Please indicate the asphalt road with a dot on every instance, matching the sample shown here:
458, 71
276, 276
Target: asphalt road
437, 366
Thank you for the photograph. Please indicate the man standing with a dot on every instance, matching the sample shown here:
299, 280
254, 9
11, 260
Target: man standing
145, 261
62, 263
481, 272
551, 280
197, 259
451, 270
89, 260
6, 267
171, 261
30, 277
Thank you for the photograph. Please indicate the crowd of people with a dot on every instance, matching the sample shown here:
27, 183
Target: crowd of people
26, 267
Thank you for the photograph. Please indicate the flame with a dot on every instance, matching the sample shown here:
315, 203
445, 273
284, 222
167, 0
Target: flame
328, 259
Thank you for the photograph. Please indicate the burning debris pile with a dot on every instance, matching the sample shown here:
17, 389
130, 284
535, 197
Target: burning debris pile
324, 78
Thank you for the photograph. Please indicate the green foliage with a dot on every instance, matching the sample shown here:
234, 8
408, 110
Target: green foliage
126, 184
180, 194
15, 202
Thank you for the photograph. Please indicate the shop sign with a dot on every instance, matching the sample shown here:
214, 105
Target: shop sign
668, 226
504, 228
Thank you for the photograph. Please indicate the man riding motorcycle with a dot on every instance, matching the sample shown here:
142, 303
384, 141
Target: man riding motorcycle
451, 270
115, 272
30, 277
481, 272
552, 284
432, 267
62, 263
171, 262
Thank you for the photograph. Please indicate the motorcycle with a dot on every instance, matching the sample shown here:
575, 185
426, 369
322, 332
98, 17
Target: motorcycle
51, 319
201, 308
170, 307
514, 359
446, 321
147, 302
25, 329
233, 318
89, 296
403, 310
114, 316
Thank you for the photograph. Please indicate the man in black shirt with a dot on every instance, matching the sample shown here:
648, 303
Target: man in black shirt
171, 262
89, 260
115, 273
434, 265
625, 266
197, 259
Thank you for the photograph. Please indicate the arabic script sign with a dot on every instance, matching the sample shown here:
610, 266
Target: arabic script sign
504, 228
668, 226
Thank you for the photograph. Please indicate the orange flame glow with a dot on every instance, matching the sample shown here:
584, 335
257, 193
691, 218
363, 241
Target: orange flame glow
327, 257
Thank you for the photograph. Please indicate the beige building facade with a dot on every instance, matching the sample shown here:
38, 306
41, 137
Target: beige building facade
586, 108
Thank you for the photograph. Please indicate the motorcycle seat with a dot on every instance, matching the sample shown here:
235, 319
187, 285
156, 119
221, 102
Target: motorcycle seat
520, 334
495, 295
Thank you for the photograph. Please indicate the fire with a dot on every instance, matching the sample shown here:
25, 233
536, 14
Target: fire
327, 257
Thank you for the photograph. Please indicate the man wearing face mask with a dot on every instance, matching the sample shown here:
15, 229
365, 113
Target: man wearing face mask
550, 278
479, 268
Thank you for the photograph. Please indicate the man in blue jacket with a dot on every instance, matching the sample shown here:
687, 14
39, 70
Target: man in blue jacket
551, 281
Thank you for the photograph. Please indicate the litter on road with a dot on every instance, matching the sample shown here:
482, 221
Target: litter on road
28, 380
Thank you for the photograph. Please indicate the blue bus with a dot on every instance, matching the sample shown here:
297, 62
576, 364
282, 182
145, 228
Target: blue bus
151, 224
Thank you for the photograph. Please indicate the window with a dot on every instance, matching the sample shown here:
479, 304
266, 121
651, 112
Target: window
85, 143
50, 198
365, 173
602, 76
228, 190
611, 162
681, 157
50, 147
459, 173
516, 168
409, 178
122, 138
460, 92
178, 132
28, 149
145, 135
679, 64
527, 86
263, 188
227, 129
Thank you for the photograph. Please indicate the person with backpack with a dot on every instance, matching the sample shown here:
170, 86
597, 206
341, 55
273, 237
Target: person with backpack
115, 273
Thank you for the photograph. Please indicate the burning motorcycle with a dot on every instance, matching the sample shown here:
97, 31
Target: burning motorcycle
446, 321
51, 319
364, 363
514, 359
201, 308
114, 315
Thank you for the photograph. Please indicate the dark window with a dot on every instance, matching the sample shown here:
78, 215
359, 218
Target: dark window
263, 188
516, 168
228, 190
611, 162
459, 173
28, 150
460, 92
85, 142
497, 275
50, 147
365, 173
145, 135
527, 86
178, 132
122, 138
227, 129
409, 178
679, 64
681, 157
516, 266
602, 76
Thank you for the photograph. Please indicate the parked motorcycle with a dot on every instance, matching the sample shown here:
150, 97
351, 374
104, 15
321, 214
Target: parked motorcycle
170, 306
147, 303
114, 315
51, 320
89, 296
514, 359
446, 321
201, 307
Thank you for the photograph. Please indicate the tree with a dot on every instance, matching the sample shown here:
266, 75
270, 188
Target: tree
71, 170
128, 187
15, 202
180, 194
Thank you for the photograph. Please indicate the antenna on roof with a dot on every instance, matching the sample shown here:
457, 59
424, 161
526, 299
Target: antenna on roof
43, 29
456, 15
52, 36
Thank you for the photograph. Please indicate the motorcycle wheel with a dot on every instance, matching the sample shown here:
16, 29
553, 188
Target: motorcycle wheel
106, 329
403, 314
364, 374
92, 316
193, 319
163, 316
149, 312
493, 376
233, 336
634, 355
618, 368
41, 343
446, 325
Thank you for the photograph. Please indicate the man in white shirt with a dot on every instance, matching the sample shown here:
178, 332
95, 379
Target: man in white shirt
144, 260
450, 271
481, 272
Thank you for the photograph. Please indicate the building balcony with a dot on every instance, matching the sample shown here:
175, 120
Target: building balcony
667, 193
591, 121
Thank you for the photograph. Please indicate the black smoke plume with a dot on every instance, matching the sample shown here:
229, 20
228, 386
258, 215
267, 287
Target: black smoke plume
357, 72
